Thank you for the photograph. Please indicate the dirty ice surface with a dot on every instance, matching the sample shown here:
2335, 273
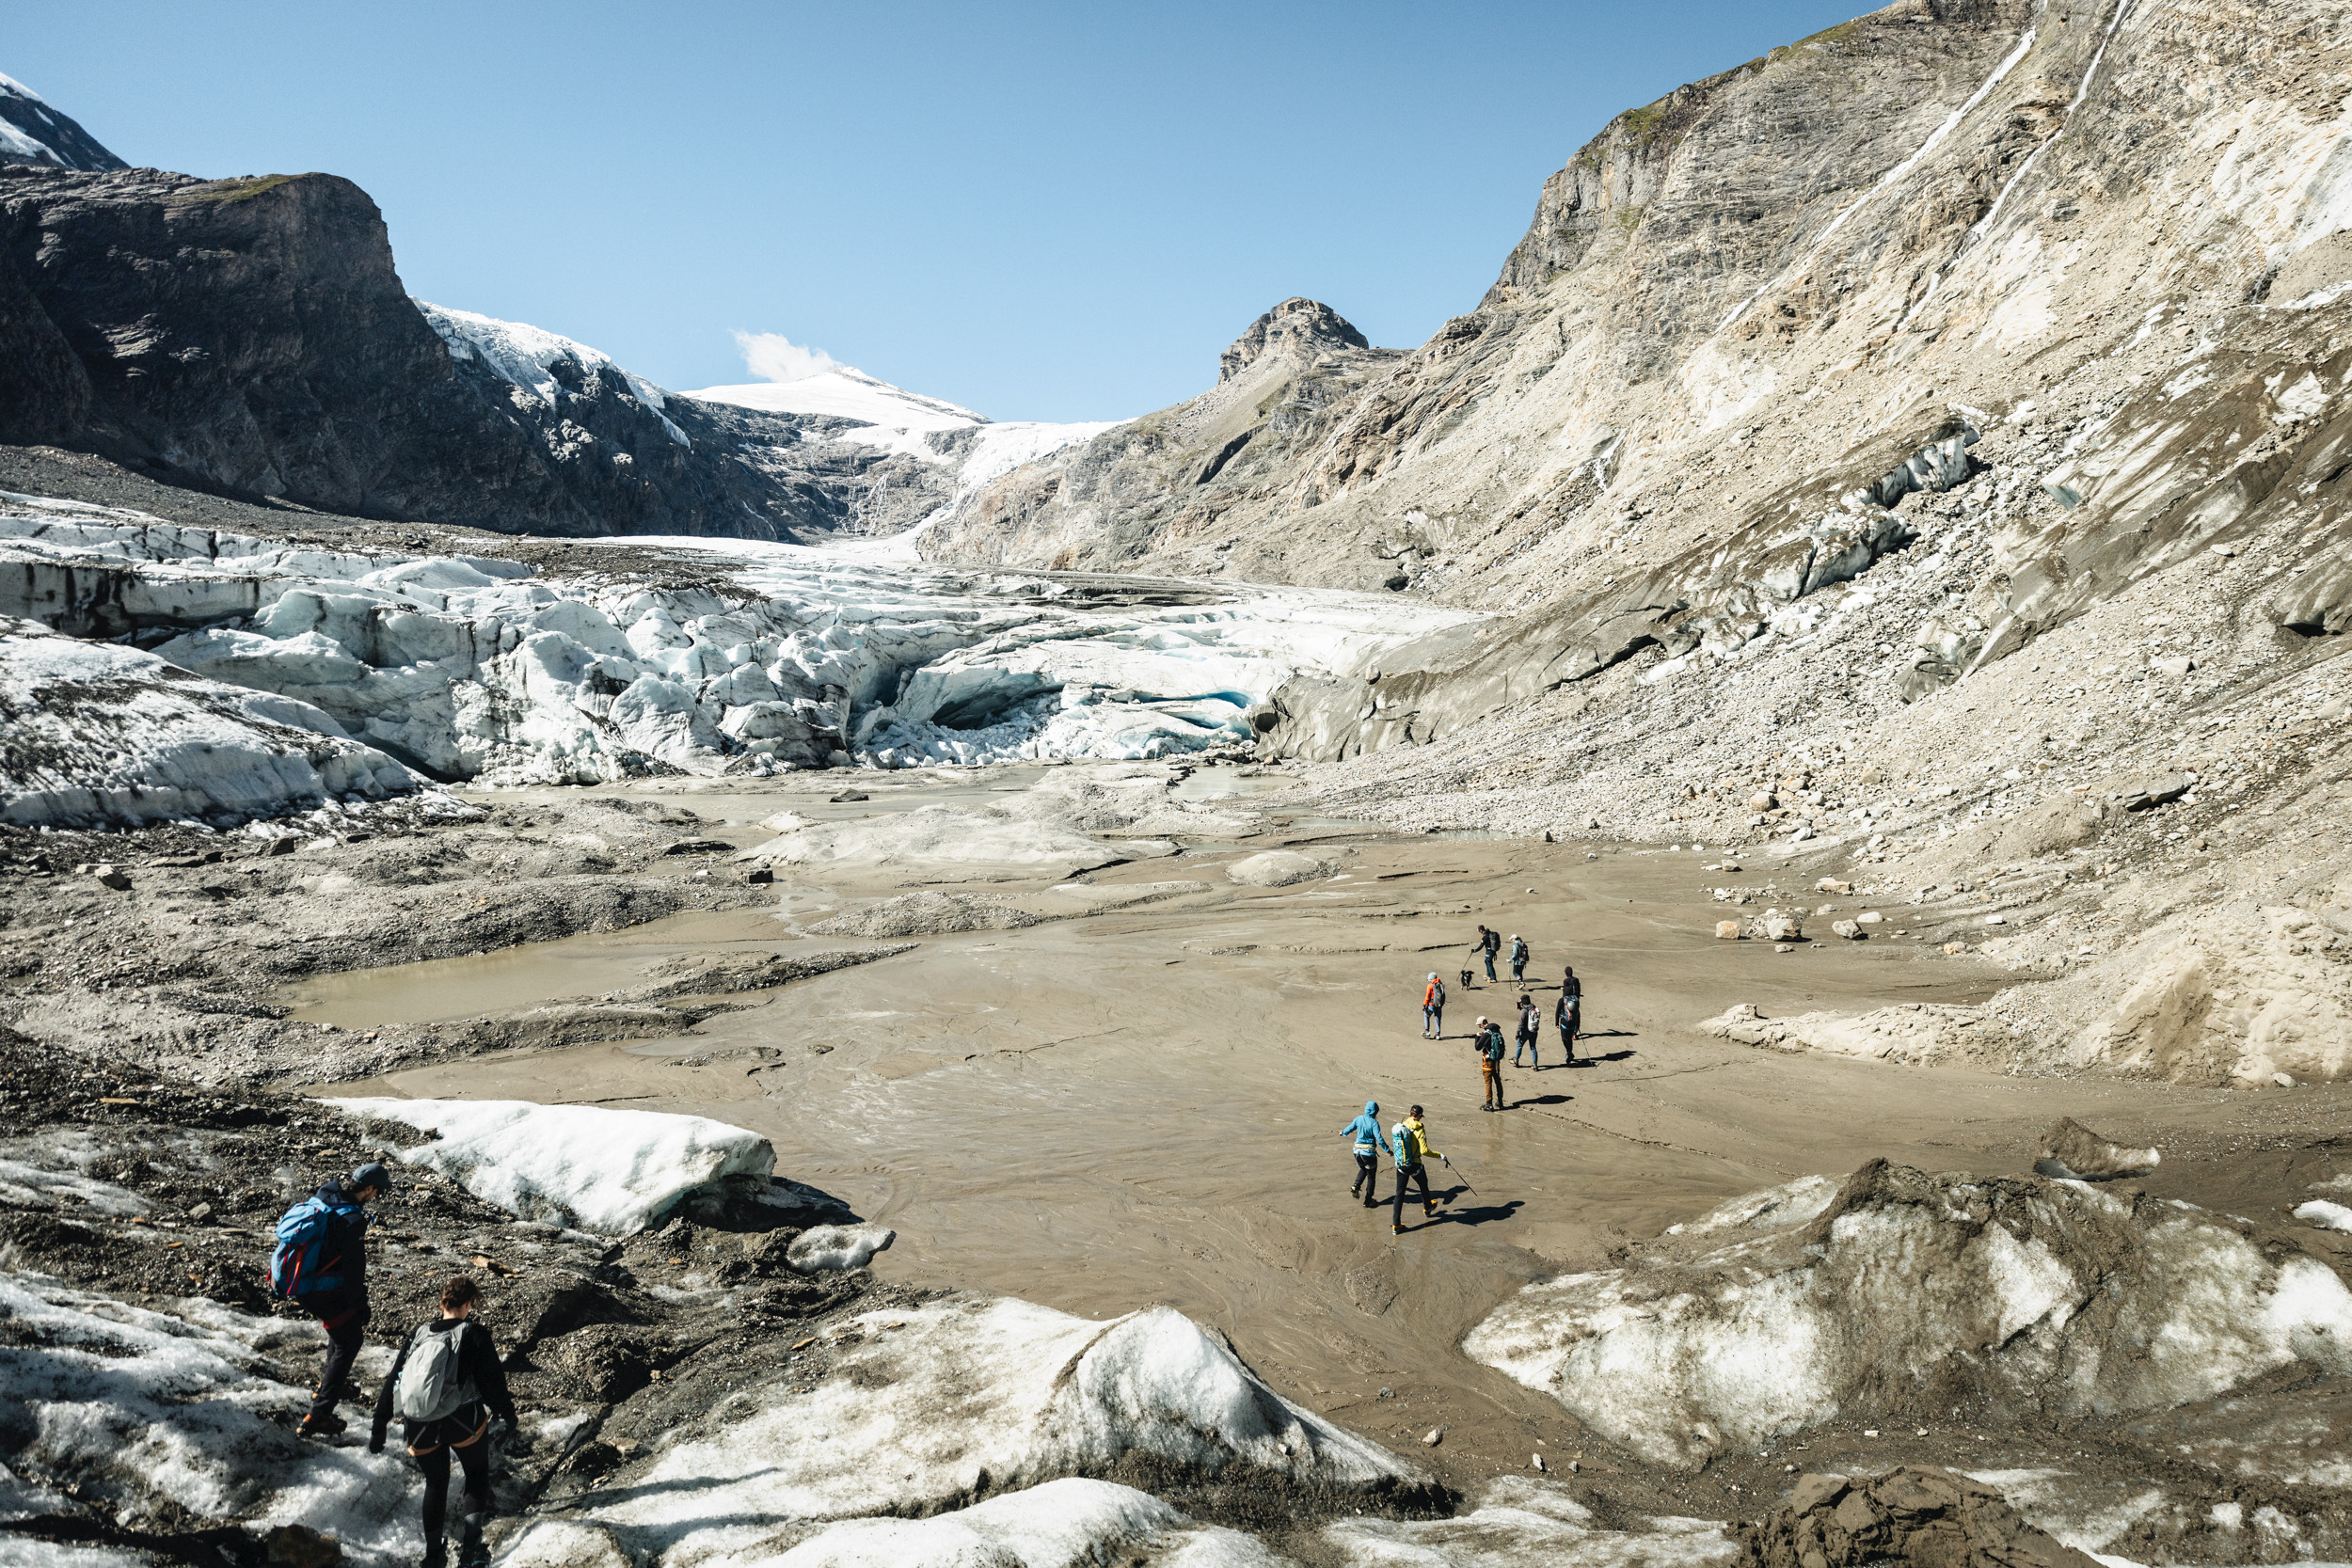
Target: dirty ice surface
2052, 1296
589, 1167
780, 655
170, 1411
924, 1406
106, 734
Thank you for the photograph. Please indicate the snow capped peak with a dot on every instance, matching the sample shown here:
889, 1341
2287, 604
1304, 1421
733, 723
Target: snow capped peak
846, 392
799, 380
526, 355
31, 131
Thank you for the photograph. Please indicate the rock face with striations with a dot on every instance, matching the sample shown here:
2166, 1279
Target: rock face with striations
2034, 280
252, 336
1303, 328
1158, 489
1937, 1518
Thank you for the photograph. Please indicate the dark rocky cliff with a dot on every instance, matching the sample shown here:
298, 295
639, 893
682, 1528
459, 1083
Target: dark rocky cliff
252, 337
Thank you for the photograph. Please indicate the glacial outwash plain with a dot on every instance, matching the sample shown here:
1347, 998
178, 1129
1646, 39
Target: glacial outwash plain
863, 925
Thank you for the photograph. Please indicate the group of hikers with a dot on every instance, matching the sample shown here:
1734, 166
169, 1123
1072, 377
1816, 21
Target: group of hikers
1408, 1146
447, 1385
1567, 1015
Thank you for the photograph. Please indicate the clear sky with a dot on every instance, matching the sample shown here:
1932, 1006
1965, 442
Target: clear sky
1041, 211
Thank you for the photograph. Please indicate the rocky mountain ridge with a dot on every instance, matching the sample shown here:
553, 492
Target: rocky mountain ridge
251, 336
1891, 453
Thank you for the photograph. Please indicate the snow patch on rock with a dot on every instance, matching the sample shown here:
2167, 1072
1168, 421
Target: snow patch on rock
525, 355
837, 1248
585, 1166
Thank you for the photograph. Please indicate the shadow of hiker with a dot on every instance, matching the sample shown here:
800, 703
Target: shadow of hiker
1541, 1100
1482, 1214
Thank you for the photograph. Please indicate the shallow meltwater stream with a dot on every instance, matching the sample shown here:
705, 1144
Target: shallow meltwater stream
1145, 1103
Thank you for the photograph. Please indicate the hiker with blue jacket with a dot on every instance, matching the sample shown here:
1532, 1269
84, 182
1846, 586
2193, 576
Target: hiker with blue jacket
321, 1265
445, 1388
1370, 1142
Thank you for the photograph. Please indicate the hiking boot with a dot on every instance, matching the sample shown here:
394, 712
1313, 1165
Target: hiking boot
1397, 1230
1429, 1207
328, 1425
435, 1556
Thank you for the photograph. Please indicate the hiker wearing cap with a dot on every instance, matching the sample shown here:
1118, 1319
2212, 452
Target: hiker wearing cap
1433, 1008
445, 1388
321, 1265
1568, 1012
1408, 1145
1370, 1142
1487, 1043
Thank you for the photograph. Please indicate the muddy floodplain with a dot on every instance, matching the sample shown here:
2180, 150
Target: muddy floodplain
1128, 1087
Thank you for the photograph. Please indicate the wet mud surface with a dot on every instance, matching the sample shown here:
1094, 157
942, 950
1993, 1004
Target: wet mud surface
1140, 1099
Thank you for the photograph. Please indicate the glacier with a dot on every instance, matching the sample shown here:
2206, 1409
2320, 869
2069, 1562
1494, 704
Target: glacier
734, 656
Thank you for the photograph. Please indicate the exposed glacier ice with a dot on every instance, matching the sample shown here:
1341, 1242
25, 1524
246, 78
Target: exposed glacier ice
473, 667
607, 1171
2046, 1296
102, 735
1524, 1523
928, 1405
170, 1417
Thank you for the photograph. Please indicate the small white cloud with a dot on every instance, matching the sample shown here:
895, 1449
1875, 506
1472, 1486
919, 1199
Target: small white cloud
773, 357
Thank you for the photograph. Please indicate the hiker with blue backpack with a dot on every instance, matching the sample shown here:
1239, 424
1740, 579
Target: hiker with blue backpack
321, 1265
446, 1387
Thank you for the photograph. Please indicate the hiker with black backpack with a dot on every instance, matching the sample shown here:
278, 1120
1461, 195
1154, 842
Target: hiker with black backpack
1568, 1012
321, 1265
1520, 954
446, 1387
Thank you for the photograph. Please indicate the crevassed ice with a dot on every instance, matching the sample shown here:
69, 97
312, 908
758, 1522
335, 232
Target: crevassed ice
461, 668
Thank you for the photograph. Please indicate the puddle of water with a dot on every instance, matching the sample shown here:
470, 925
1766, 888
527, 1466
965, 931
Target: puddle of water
1228, 783
580, 966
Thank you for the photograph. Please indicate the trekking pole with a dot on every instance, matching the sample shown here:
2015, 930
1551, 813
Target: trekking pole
1449, 1165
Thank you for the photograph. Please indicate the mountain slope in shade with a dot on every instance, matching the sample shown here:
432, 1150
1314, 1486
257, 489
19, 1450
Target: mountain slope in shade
31, 131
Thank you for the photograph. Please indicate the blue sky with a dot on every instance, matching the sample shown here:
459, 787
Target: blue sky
1055, 211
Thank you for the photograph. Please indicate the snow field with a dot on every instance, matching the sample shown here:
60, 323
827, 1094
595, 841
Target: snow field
2054, 1297
928, 1404
588, 1167
164, 1412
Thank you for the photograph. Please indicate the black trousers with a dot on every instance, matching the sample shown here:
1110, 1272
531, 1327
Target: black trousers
1367, 1178
342, 1347
1411, 1173
474, 1458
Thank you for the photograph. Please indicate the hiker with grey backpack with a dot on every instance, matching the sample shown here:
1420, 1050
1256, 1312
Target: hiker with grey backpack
446, 1387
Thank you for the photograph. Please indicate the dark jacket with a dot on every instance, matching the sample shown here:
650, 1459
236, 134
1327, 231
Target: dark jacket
1490, 1042
477, 1363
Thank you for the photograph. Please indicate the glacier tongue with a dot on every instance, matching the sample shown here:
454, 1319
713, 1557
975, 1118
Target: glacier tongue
758, 656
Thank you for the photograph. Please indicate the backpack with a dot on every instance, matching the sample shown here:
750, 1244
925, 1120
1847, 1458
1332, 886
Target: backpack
299, 1266
1518, 951
432, 1383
